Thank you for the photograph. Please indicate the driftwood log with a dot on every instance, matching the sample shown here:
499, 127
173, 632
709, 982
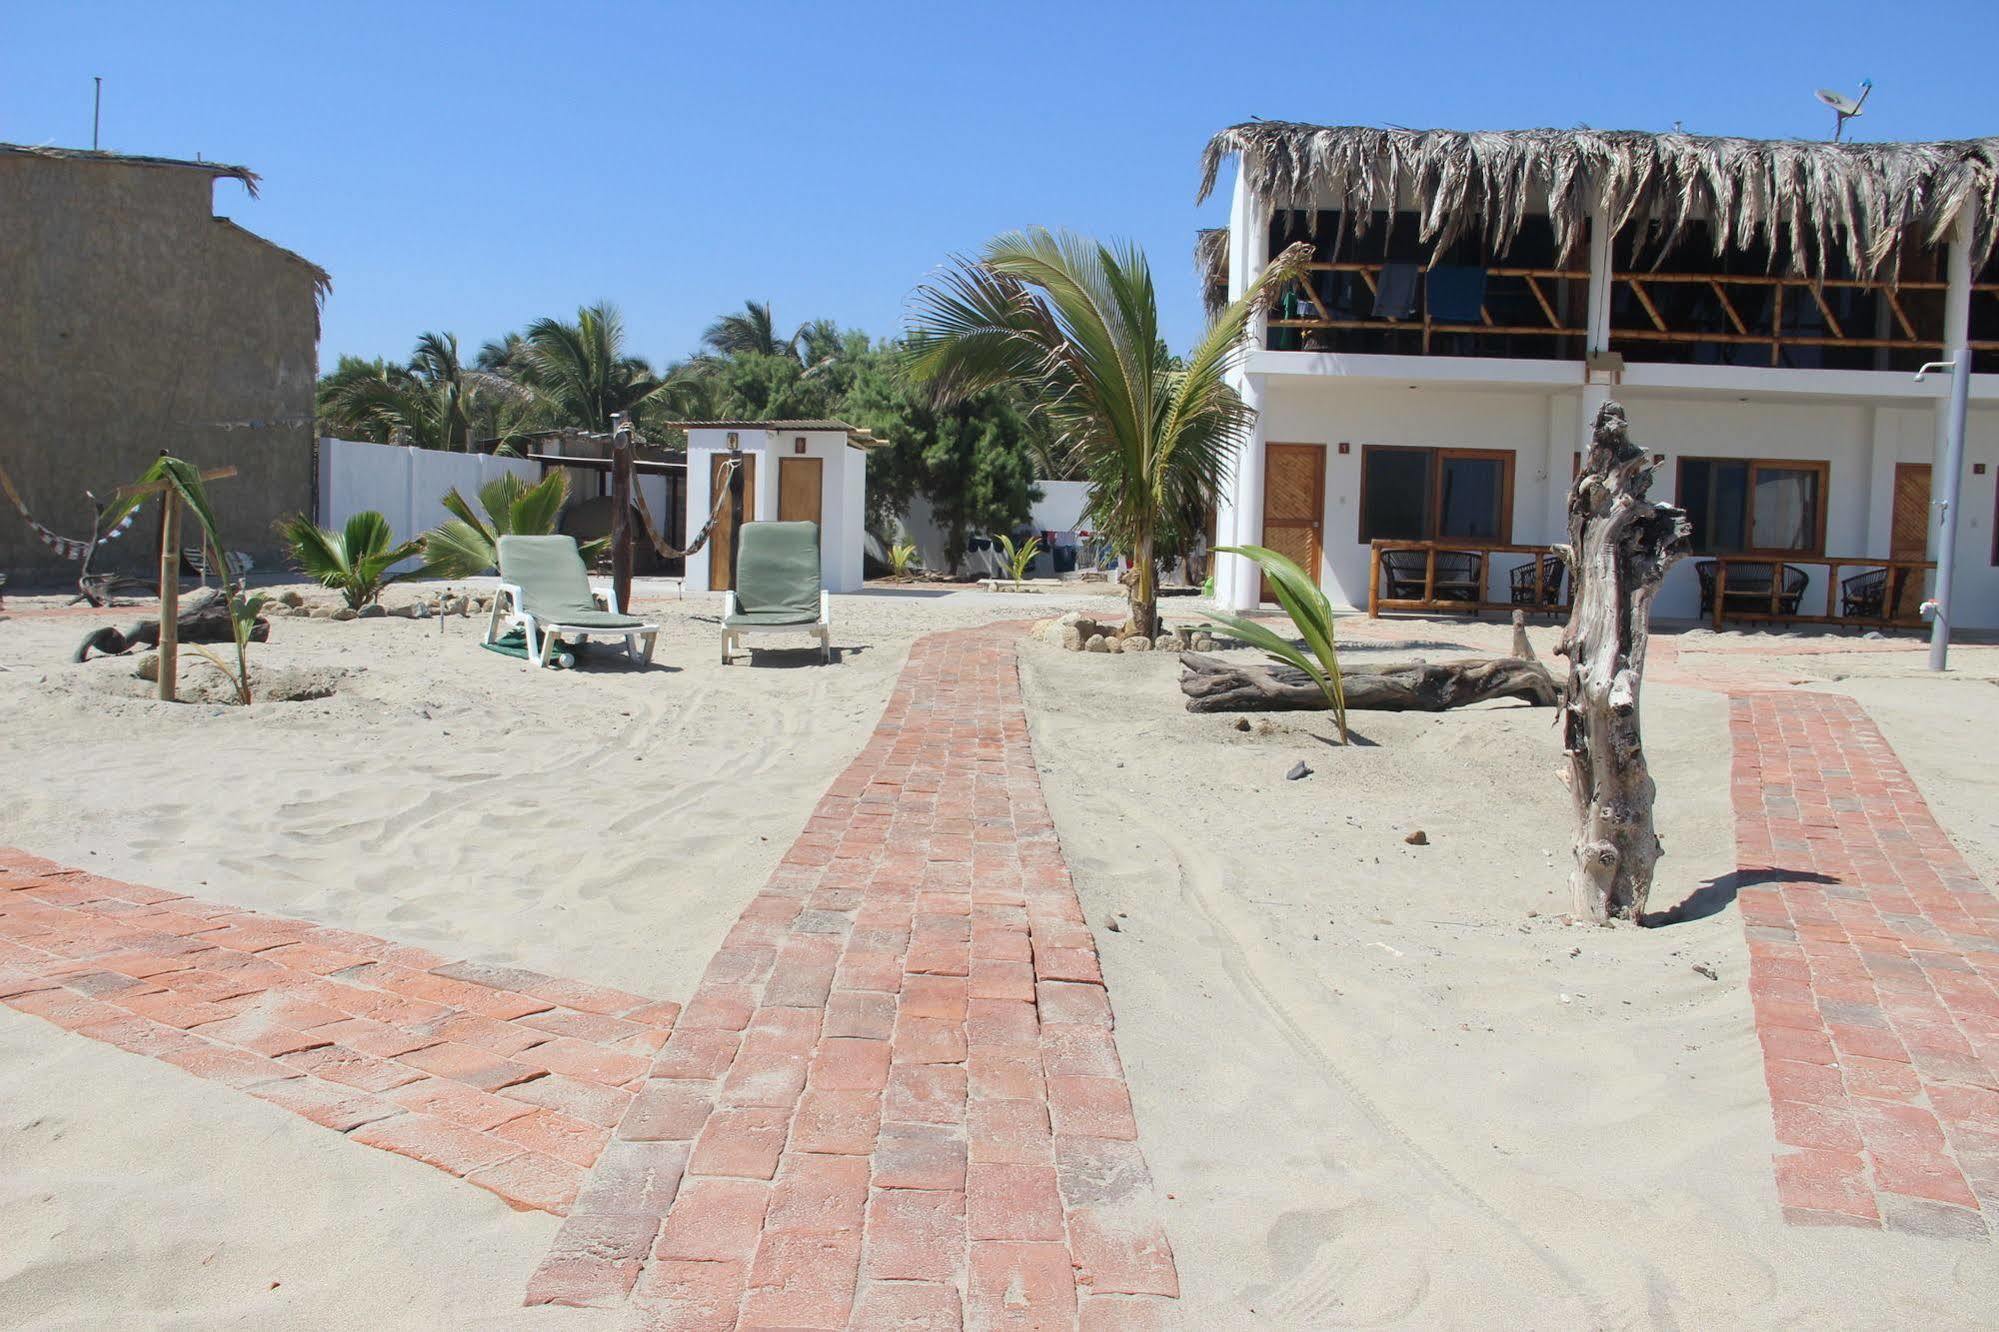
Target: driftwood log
201, 620
1620, 546
1214, 685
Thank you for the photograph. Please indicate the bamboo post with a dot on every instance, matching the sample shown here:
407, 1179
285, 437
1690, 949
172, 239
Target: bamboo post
169, 657
1720, 588
1832, 583
621, 512
1430, 575
1374, 581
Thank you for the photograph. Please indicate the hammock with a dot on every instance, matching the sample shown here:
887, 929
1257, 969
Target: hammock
652, 530
68, 548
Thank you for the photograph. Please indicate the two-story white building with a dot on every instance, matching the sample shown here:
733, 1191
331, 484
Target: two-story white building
1759, 308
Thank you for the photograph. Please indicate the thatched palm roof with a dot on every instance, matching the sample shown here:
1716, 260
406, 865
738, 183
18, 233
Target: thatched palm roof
1807, 201
217, 169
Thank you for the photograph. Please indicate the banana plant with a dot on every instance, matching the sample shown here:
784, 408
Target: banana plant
182, 480
354, 561
1018, 557
1311, 614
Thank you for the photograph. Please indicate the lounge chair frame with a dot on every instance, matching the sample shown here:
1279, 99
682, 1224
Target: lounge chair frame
543, 636
732, 634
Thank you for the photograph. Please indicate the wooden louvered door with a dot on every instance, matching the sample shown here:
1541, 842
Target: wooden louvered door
1294, 505
1909, 538
718, 542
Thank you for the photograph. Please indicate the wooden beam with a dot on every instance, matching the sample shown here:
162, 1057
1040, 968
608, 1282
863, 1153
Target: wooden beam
1646, 301
1901, 316
169, 649
1728, 307
1831, 319
1534, 285
152, 488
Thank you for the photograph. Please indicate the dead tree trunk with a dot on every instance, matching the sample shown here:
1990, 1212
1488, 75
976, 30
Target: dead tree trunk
1214, 685
201, 620
1620, 546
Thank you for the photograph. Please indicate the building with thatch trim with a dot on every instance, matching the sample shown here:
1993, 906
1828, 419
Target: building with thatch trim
135, 321
1471, 299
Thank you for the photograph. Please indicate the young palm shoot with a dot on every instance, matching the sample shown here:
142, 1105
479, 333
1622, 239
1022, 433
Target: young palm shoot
901, 557
1018, 558
182, 480
1311, 614
354, 561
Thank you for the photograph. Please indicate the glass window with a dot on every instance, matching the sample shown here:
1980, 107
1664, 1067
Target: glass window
1474, 491
1414, 494
1395, 494
1737, 505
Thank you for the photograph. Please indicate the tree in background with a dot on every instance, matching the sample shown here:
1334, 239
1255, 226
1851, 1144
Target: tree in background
1075, 325
431, 401
580, 373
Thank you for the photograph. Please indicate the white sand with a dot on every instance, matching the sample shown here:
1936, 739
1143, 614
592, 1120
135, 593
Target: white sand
606, 825
1354, 1066
1396, 1121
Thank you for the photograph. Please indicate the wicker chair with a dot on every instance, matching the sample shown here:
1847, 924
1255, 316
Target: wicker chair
1873, 594
1552, 572
1749, 587
1460, 575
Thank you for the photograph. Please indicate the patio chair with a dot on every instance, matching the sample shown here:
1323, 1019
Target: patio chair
545, 592
1460, 575
778, 589
1872, 594
1522, 581
1748, 590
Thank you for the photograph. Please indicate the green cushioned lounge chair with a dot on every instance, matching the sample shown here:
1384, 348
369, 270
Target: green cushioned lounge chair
777, 587
545, 591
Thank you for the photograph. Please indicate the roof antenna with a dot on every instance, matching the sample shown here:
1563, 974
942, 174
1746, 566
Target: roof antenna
96, 109
1844, 108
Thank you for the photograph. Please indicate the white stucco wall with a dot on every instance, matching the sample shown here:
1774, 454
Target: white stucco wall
842, 497
405, 485
1860, 441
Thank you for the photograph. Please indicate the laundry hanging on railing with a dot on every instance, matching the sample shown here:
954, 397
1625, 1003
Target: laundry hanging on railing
1456, 294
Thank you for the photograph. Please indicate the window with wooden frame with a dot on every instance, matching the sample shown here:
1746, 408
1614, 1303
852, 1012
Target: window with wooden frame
1754, 506
1423, 494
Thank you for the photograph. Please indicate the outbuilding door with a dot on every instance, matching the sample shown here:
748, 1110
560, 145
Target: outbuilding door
1909, 537
718, 541
1294, 505
800, 489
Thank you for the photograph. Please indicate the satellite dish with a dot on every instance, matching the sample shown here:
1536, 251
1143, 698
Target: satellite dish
1844, 108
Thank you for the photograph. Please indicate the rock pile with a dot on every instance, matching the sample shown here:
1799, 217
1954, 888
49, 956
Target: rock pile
1077, 632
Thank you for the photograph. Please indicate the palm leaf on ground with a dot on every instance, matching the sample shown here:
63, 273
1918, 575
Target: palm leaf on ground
1311, 614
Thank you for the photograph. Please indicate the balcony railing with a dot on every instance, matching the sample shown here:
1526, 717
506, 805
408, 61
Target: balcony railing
1743, 309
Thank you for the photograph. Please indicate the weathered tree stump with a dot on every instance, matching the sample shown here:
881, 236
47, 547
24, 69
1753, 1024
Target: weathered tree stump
1620, 546
201, 620
1214, 685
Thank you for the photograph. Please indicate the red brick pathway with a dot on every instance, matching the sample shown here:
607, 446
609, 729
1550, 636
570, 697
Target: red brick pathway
508, 1078
894, 1100
1874, 974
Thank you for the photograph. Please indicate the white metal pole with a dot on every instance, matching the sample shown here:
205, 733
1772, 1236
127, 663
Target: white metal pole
1953, 466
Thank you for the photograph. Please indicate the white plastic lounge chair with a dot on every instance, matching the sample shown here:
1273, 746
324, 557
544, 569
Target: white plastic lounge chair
545, 590
777, 587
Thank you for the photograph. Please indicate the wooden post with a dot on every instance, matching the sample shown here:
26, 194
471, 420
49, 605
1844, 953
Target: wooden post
621, 512
1720, 588
1374, 580
1429, 575
1620, 546
169, 592
735, 504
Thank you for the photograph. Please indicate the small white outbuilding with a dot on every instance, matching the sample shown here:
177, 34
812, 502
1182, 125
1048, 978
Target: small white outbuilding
812, 470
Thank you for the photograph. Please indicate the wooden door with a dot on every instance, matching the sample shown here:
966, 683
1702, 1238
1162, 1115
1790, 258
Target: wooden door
1909, 537
799, 489
1294, 505
718, 540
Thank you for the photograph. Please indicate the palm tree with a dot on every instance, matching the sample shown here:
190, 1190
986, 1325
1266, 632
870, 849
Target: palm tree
353, 561
751, 333
468, 543
580, 372
429, 402
1074, 324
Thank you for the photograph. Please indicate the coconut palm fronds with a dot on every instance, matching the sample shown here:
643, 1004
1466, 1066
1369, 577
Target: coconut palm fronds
1809, 202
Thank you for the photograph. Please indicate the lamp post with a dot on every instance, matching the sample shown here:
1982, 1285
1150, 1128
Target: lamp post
1940, 606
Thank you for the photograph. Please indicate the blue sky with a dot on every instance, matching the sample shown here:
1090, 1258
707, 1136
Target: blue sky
468, 169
